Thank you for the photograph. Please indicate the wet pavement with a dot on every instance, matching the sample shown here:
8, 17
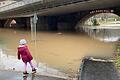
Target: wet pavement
12, 75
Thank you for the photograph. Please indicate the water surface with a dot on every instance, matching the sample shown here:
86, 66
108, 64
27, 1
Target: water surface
62, 50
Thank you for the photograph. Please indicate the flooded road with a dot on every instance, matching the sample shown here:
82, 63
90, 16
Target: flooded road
59, 50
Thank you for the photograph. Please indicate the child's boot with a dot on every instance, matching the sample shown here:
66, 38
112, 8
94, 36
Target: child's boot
34, 70
25, 72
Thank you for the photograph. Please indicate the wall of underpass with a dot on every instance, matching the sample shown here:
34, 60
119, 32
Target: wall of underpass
57, 23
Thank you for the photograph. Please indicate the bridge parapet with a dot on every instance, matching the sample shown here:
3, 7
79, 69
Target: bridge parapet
44, 4
17, 4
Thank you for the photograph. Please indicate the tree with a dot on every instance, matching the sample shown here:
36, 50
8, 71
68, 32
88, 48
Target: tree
117, 52
117, 48
95, 22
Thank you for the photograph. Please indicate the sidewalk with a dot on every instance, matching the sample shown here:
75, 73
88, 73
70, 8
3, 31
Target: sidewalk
11, 75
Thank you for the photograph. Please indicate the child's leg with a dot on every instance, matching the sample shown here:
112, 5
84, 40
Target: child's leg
25, 67
33, 68
31, 65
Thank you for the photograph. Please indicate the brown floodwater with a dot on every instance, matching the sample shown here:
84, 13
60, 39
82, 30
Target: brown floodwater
59, 50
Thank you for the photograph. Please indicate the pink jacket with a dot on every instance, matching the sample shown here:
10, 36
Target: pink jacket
24, 53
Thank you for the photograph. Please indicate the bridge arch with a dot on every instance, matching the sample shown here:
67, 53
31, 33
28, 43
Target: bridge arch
90, 31
8, 22
82, 21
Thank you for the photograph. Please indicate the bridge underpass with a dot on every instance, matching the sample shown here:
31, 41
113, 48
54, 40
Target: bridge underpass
66, 22
61, 15
57, 13
45, 8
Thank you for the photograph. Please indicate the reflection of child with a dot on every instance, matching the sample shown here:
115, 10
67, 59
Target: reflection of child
23, 52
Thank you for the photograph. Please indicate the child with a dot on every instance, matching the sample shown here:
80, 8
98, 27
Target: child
23, 52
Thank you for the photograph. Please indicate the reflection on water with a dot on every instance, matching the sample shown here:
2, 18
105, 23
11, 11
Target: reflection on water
59, 50
102, 33
109, 35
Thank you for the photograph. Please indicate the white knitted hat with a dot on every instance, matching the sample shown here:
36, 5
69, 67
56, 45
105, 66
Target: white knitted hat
23, 41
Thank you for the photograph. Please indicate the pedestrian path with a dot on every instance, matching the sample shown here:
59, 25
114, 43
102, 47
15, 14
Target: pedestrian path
12, 75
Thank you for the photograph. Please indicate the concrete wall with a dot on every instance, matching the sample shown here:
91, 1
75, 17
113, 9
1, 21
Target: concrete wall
64, 26
42, 23
96, 70
2, 22
56, 23
52, 23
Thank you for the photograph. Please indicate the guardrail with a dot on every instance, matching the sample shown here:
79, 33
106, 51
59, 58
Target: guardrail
42, 3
